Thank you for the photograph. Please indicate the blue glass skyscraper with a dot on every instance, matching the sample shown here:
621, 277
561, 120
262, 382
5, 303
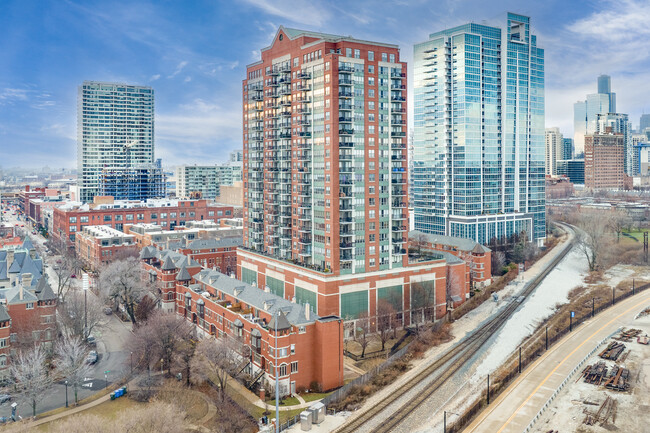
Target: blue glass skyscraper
479, 132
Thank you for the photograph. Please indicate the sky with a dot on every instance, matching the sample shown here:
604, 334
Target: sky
194, 54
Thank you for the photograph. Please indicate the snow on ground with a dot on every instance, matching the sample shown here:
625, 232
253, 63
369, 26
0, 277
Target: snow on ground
543, 302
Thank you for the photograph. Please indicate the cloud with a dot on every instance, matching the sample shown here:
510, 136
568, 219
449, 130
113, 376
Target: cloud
179, 69
297, 11
187, 79
10, 95
154, 77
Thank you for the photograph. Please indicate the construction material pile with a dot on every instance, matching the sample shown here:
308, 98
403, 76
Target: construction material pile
605, 411
619, 379
628, 335
595, 373
613, 351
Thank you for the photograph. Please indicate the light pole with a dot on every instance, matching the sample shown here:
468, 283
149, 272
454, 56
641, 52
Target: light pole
85, 286
66, 393
444, 423
277, 378
131, 362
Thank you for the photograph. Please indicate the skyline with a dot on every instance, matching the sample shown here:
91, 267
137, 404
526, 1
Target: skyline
197, 79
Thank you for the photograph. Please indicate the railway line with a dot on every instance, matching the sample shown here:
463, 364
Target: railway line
446, 366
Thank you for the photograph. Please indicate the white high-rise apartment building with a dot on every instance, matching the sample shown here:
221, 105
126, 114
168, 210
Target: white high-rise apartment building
554, 150
115, 128
193, 179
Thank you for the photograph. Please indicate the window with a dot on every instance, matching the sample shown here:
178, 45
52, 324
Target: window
140, 216
357, 54
83, 219
293, 349
3, 360
73, 220
392, 58
371, 93
384, 57
119, 217
3, 342
210, 213
282, 370
73, 228
371, 55
172, 214
294, 367
154, 216
371, 69
129, 217
108, 218
348, 52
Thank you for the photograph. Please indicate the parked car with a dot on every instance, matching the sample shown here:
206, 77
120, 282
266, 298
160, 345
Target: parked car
4, 398
108, 311
92, 357
91, 340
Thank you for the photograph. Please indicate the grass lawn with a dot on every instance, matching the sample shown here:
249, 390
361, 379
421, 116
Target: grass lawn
108, 410
638, 235
312, 396
289, 401
257, 412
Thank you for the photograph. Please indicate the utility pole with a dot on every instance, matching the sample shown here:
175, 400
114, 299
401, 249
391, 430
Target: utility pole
593, 305
547, 338
488, 390
277, 378
519, 359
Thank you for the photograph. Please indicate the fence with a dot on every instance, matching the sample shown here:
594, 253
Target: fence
530, 355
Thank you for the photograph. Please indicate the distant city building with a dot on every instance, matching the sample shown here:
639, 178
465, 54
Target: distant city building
199, 181
236, 156
574, 169
618, 124
479, 132
604, 157
554, 150
133, 183
567, 148
196, 181
642, 159
115, 128
644, 122
148, 234
585, 112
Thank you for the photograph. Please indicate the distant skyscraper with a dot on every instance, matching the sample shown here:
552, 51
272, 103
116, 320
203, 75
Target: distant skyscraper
604, 156
585, 112
140, 182
115, 129
236, 156
644, 122
479, 132
197, 181
554, 150
567, 148
574, 169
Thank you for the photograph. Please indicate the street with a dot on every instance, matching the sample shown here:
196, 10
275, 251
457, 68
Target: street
112, 334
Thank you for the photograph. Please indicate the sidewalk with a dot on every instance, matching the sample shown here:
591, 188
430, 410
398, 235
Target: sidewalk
255, 400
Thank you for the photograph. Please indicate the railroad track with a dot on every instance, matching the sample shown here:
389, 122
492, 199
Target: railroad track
458, 355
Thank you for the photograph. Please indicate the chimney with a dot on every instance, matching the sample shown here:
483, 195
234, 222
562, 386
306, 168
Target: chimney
27, 280
307, 310
10, 258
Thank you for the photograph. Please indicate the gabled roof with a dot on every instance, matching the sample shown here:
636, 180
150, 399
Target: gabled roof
168, 265
462, 244
44, 291
259, 299
183, 275
283, 323
13, 296
27, 243
200, 244
147, 253
4, 315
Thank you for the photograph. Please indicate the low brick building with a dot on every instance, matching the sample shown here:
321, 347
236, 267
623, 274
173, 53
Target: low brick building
27, 302
477, 257
217, 254
310, 347
99, 245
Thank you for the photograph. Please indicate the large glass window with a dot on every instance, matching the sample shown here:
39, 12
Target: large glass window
249, 276
276, 286
304, 296
353, 304
392, 294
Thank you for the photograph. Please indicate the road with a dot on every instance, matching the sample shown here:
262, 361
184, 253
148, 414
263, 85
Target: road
111, 335
516, 407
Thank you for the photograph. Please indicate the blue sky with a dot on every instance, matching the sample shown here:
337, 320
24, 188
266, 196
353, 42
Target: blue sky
194, 54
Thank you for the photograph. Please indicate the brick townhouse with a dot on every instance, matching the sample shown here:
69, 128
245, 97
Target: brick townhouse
27, 302
309, 346
99, 245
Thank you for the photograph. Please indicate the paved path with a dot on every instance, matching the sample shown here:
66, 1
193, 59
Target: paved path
516, 407
255, 400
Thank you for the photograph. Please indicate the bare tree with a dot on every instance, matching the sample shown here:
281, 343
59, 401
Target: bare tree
385, 314
64, 267
362, 332
418, 240
216, 360
592, 237
498, 262
30, 375
185, 354
618, 220
124, 282
454, 283
71, 363
423, 298
77, 311
145, 308
232, 418
165, 333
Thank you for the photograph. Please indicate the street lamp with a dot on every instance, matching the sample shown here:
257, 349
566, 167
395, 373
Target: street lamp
85, 286
66, 393
277, 378
444, 425
131, 362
